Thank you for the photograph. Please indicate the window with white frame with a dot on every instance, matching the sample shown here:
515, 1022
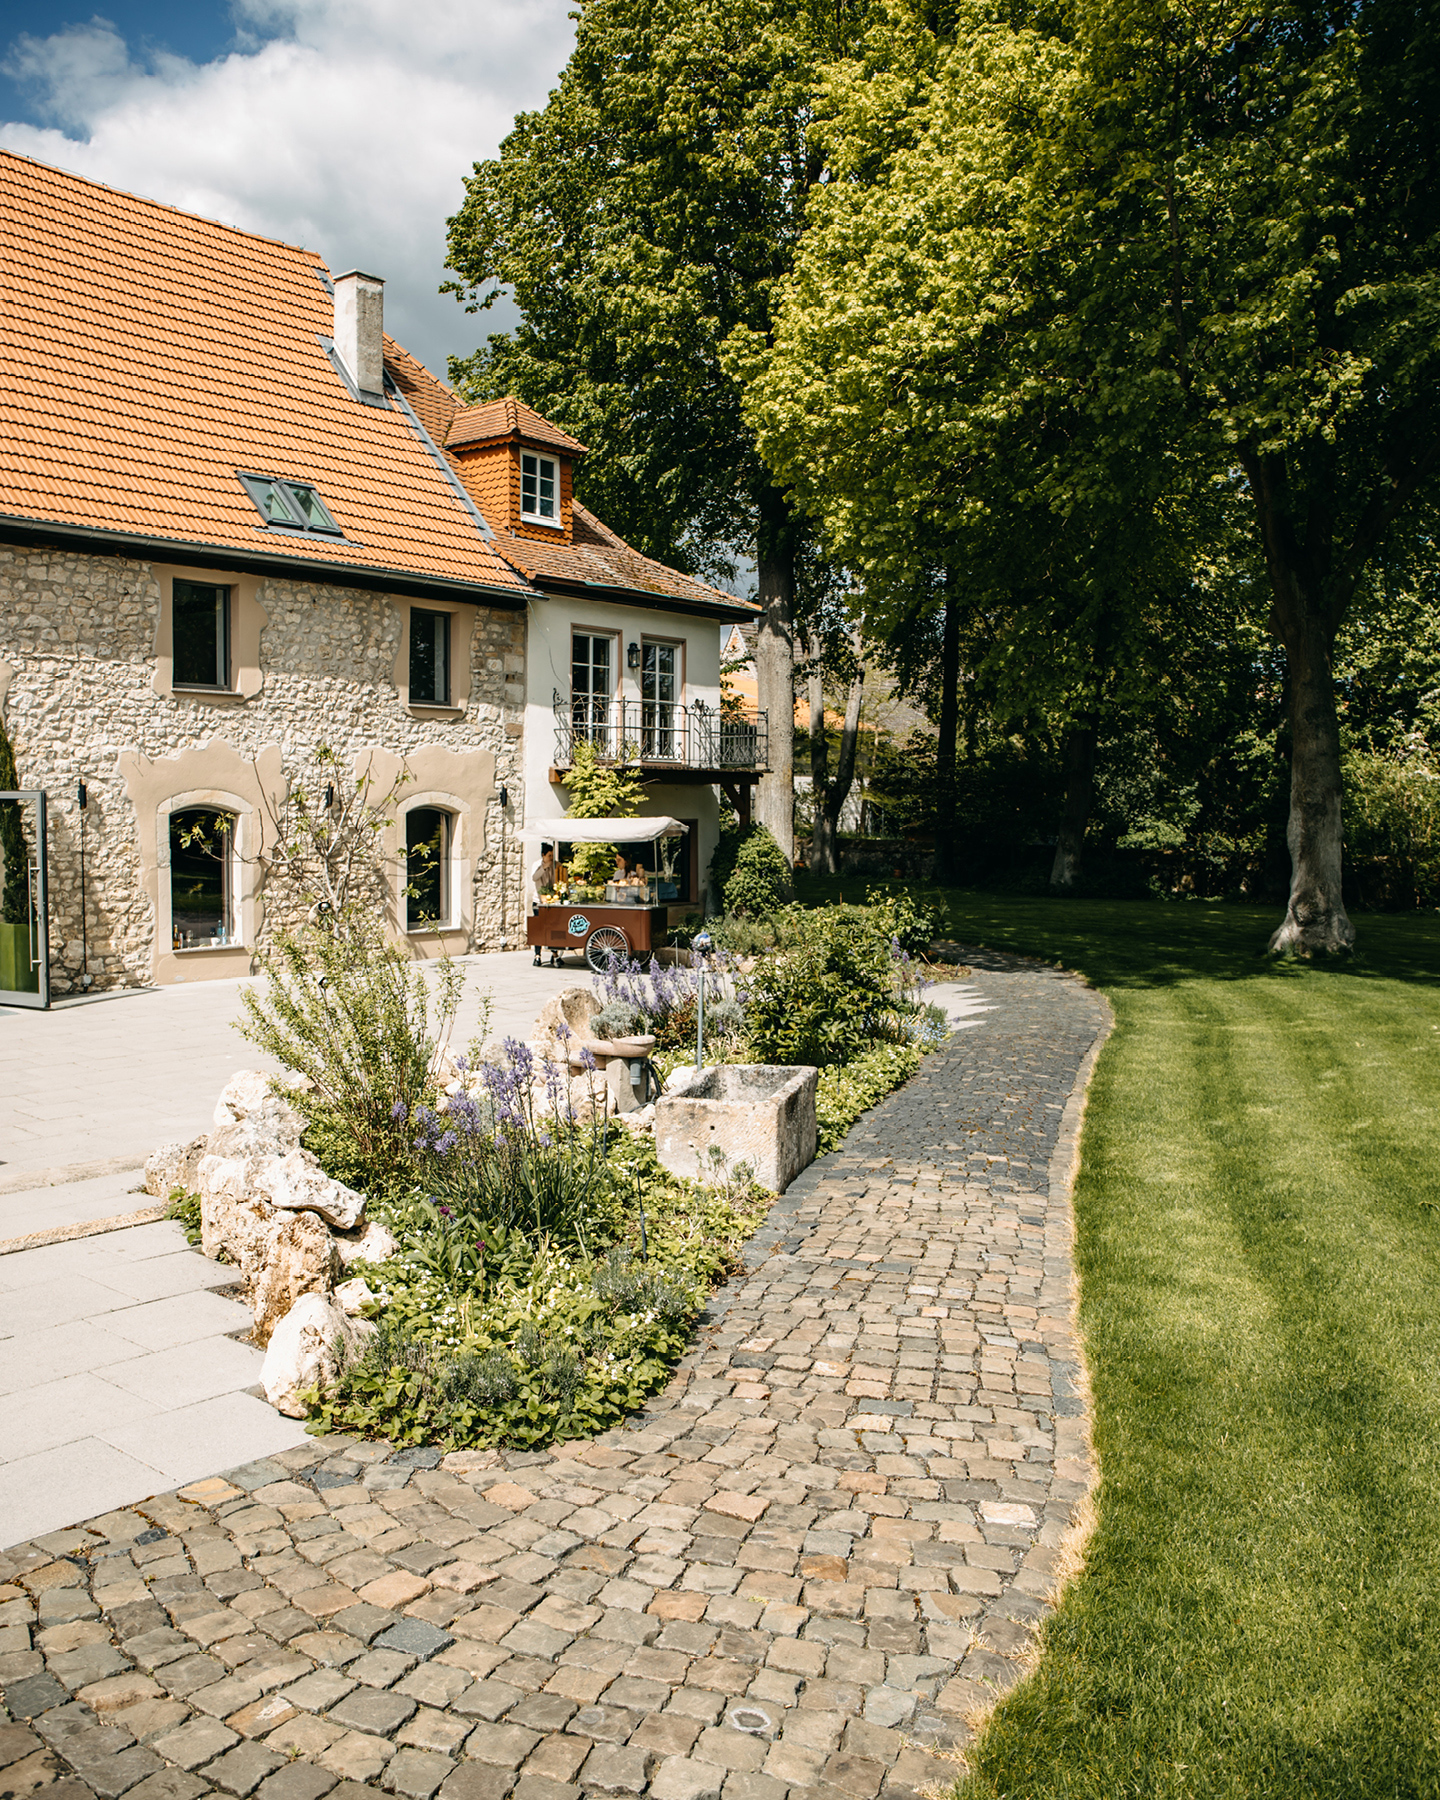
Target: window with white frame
202, 880
659, 698
539, 489
592, 686
428, 838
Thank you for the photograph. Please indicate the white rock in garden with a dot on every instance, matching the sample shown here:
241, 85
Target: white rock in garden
174, 1165
308, 1348
374, 1244
680, 1078
353, 1296
574, 1008
299, 1184
280, 1255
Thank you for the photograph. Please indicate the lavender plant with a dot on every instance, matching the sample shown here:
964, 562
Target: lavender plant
667, 997
497, 1163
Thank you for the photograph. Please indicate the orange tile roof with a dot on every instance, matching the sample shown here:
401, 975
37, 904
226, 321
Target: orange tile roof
493, 420
148, 354
600, 559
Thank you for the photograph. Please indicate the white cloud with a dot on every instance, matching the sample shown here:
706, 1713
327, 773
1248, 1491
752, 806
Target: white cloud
343, 125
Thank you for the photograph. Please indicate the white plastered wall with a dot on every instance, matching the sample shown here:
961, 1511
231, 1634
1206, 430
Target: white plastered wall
550, 626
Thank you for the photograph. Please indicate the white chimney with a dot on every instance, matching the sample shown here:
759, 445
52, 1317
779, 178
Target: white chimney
359, 328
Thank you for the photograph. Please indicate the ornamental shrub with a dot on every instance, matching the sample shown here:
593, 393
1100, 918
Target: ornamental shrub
829, 994
749, 871
345, 1009
599, 791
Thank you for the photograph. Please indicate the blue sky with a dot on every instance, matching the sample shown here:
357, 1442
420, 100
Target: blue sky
343, 125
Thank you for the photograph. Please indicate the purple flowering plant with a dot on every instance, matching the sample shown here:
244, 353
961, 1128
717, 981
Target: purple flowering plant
500, 1165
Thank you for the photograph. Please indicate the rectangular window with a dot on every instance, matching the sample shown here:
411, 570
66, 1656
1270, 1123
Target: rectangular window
540, 489
429, 658
200, 632
592, 683
659, 698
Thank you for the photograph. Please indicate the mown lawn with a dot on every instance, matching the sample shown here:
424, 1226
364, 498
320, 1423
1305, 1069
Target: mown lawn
1259, 1248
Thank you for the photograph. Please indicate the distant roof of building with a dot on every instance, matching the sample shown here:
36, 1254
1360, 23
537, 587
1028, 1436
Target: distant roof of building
601, 563
151, 357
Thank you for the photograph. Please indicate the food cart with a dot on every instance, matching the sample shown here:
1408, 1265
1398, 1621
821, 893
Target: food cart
629, 918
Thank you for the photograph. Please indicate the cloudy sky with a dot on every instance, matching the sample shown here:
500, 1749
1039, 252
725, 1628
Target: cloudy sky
343, 125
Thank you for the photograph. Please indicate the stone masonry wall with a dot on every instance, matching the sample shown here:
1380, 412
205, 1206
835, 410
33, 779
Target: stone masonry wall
77, 668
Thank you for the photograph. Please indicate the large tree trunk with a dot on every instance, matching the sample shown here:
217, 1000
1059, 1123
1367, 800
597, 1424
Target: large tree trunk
947, 849
1079, 795
822, 840
775, 666
838, 791
1305, 617
1315, 918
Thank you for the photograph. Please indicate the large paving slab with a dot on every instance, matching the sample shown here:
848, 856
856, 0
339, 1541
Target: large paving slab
121, 1374
797, 1572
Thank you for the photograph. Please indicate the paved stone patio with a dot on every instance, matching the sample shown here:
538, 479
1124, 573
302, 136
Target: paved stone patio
796, 1573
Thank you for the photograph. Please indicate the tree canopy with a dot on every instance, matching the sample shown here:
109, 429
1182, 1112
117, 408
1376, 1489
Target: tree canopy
640, 219
1087, 273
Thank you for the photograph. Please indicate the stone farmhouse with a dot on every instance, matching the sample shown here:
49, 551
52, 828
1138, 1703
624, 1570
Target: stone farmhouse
239, 524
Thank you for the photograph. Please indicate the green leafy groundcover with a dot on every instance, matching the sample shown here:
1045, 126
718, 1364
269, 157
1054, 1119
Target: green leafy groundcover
550, 1342
853, 1088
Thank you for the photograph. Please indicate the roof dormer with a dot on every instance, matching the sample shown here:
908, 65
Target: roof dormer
517, 468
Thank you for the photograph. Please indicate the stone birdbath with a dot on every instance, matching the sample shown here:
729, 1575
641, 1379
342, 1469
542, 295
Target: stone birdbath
619, 1060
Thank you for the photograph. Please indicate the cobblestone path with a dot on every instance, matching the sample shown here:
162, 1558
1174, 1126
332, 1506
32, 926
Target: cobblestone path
796, 1573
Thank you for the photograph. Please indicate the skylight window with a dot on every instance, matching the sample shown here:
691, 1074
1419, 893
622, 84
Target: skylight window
290, 505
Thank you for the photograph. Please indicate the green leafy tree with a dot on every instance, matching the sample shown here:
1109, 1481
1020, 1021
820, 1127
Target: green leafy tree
639, 220
1086, 263
599, 790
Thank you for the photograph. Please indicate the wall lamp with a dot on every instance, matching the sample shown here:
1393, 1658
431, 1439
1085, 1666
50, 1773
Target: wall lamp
632, 656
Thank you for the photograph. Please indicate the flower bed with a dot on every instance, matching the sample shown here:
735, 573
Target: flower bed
546, 1273
538, 1340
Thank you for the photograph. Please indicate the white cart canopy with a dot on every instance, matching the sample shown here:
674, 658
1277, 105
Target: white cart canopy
603, 831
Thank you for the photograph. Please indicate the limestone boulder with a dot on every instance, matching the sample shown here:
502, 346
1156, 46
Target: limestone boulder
372, 1245
249, 1099
309, 1348
352, 1297
574, 1008
298, 1183
279, 1254
175, 1165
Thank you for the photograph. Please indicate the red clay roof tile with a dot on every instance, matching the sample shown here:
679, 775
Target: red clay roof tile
149, 354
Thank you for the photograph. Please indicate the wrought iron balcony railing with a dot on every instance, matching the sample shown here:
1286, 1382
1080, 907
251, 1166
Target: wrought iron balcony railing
662, 731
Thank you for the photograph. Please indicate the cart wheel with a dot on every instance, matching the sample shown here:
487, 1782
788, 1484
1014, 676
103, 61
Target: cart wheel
604, 945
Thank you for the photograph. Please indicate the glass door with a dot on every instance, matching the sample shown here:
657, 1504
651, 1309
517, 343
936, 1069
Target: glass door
659, 693
24, 908
592, 682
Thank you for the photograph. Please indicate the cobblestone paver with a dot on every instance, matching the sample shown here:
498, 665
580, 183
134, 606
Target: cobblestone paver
796, 1573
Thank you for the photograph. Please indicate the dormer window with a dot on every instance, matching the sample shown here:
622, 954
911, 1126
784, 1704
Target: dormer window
290, 505
539, 489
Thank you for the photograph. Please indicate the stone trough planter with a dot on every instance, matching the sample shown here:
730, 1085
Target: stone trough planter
760, 1113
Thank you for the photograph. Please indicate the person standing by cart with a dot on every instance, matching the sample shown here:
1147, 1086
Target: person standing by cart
542, 878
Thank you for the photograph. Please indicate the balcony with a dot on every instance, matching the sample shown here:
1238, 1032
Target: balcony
681, 743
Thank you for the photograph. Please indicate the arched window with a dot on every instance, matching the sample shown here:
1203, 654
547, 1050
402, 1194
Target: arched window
202, 879
427, 868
